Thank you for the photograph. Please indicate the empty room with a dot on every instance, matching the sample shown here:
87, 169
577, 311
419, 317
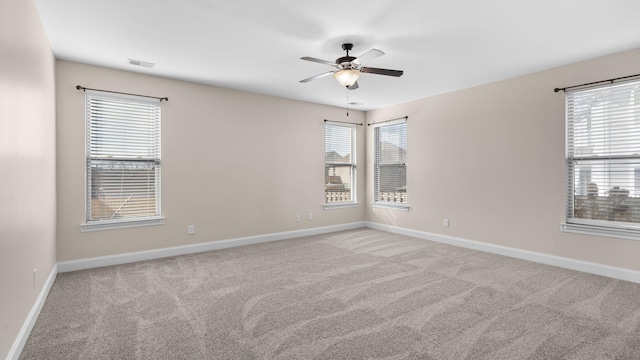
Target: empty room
333, 180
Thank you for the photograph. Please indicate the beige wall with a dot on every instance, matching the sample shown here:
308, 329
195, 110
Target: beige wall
234, 164
491, 160
27, 160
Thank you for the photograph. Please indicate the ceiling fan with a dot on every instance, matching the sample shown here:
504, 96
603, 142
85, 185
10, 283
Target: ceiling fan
349, 67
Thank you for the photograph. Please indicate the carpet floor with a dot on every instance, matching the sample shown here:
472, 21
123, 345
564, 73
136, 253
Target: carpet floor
358, 294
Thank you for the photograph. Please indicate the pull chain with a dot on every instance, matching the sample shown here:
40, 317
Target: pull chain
347, 101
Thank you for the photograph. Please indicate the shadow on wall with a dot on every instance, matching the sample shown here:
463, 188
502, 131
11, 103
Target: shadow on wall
387, 216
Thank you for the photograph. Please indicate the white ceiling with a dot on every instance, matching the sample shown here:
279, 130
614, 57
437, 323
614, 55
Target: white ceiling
253, 45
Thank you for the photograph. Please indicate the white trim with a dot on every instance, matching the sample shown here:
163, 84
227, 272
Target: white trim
30, 321
392, 206
601, 231
82, 264
572, 264
343, 205
121, 224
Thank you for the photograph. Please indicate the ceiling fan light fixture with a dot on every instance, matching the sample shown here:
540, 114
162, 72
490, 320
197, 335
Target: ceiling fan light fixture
347, 77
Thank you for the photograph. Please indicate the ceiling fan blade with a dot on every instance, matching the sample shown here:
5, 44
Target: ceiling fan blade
354, 86
326, 62
387, 72
317, 77
368, 56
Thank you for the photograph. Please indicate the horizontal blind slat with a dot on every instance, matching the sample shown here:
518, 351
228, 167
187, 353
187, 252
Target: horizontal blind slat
339, 163
603, 154
390, 176
120, 131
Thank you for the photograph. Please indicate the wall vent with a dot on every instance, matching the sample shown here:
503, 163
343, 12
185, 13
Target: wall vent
141, 63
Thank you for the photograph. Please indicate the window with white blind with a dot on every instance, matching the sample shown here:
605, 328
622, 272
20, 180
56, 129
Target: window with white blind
340, 165
390, 165
123, 161
603, 159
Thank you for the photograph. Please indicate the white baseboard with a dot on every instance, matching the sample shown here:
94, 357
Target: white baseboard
23, 335
82, 264
567, 263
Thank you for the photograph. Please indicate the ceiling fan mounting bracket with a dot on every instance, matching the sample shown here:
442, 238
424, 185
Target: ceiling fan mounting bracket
344, 62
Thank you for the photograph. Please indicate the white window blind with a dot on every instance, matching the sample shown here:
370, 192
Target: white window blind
123, 157
340, 163
603, 155
390, 172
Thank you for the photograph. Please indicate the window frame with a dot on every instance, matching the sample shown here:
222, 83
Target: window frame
353, 190
606, 165
123, 160
377, 198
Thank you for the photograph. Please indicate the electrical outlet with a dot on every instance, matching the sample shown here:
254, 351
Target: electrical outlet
445, 223
191, 229
297, 218
310, 217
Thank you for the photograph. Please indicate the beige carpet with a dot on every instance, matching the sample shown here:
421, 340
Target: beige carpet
360, 294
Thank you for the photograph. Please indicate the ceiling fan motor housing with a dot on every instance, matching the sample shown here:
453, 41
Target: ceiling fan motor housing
345, 62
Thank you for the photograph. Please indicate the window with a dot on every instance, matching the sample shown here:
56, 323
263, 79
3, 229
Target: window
603, 158
340, 165
123, 161
390, 172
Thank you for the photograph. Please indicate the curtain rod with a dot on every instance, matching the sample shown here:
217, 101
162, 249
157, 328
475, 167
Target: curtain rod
390, 120
595, 82
343, 122
78, 87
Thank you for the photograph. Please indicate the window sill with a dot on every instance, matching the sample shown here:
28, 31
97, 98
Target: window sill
601, 231
340, 205
121, 224
392, 206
